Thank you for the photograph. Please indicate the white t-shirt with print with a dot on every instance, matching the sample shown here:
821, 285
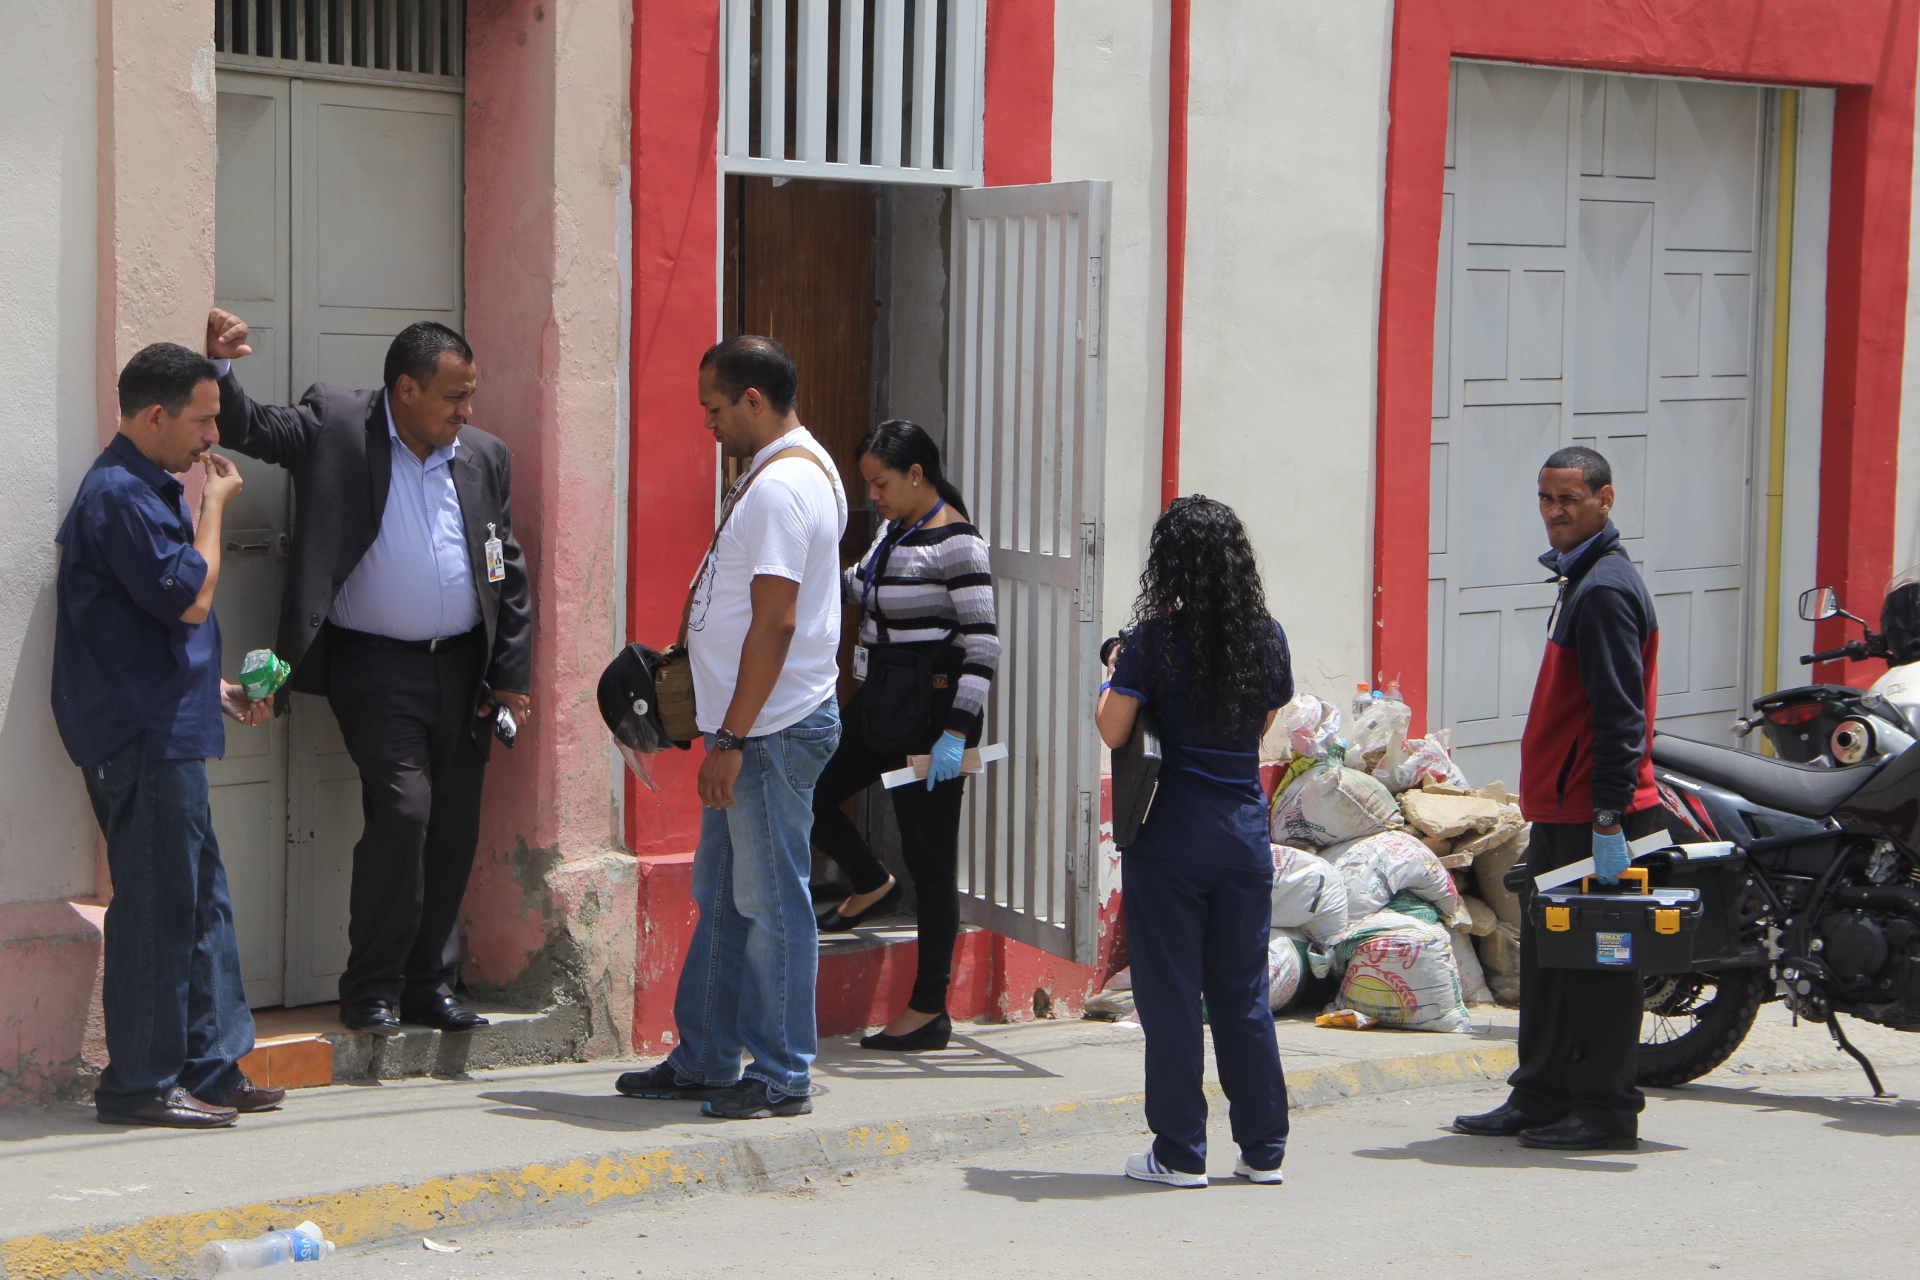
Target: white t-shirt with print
787, 525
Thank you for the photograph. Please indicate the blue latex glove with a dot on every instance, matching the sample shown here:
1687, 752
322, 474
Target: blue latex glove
1610, 856
948, 752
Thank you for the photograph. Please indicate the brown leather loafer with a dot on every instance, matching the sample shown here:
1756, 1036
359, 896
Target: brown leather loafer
178, 1110
251, 1097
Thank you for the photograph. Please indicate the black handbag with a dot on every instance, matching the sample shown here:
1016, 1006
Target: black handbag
1136, 775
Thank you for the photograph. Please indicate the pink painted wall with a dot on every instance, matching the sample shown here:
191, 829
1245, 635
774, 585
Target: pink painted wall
550, 910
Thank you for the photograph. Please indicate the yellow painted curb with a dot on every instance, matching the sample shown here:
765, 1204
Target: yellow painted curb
366, 1214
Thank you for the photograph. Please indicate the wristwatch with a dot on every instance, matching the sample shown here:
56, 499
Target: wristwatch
727, 740
1606, 817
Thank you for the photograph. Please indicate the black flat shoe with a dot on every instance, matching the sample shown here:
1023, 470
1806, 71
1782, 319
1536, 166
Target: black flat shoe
443, 1013
376, 1017
834, 922
1575, 1134
1504, 1121
927, 1039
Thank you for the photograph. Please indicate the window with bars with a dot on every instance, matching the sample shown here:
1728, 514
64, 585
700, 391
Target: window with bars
417, 41
883, 90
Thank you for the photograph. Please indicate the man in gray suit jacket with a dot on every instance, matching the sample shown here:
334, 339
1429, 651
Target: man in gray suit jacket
406, 606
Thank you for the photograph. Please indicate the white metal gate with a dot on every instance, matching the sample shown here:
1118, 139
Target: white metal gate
338, 222
1027, 421
1600, 270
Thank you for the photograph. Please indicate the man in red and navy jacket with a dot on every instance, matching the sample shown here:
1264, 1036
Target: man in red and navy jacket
1586, 784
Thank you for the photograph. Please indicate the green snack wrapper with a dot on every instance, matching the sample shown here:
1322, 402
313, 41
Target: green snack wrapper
262, 672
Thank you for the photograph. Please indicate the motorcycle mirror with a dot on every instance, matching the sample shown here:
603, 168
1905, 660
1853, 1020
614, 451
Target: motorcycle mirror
1819, 604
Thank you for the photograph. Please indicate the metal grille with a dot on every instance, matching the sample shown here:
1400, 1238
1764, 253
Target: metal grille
393, 41
873, 90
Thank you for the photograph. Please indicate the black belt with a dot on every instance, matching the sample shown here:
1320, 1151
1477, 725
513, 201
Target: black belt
439, 644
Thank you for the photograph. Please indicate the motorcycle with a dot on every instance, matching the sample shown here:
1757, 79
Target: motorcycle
1808, 865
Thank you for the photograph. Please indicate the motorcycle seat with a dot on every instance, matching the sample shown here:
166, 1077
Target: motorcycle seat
1811, 791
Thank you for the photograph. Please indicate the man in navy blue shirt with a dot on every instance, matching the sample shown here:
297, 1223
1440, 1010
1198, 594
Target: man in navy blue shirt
137, 695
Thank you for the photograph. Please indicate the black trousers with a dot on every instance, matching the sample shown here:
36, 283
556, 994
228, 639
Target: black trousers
929, 844
1579, 1028
408, 718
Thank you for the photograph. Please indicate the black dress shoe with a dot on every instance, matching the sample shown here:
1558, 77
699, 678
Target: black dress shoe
1575, 1134
443, 1013
178, 1110
927, 1039
374, 1016
834, 922
1504, 1121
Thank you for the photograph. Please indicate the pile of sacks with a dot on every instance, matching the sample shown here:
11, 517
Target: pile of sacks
1419, 856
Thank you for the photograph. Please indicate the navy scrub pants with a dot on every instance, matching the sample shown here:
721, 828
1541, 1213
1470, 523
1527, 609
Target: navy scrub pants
1194, 930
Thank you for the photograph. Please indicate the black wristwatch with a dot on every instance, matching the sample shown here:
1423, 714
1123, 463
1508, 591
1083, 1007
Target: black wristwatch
1606, 817
727, 740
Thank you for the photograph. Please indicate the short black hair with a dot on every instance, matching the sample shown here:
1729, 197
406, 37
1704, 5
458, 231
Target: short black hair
416, 350
164, 374
1593, 468
753, 361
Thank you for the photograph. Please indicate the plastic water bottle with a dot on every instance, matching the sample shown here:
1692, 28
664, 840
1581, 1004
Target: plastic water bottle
1362, 698
304, 1243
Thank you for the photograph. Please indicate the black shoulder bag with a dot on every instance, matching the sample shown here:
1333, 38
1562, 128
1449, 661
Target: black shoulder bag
1136, 774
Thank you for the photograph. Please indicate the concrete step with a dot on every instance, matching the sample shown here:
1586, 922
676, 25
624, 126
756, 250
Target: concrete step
305, 1047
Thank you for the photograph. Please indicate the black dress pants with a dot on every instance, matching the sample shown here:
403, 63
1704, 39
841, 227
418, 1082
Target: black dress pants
929, 844
1579, 1028
408, 719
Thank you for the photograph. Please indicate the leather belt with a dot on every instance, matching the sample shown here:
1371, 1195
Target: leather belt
439, 644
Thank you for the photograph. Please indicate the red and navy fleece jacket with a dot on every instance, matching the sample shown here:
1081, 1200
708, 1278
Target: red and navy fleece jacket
1589, 738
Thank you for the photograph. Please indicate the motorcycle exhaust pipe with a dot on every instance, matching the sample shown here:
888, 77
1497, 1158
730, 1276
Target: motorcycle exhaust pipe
1888, 897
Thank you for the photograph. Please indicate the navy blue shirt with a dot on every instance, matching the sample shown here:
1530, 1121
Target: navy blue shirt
1208, 807
124, 665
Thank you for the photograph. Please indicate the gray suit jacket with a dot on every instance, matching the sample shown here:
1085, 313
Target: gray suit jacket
335, 444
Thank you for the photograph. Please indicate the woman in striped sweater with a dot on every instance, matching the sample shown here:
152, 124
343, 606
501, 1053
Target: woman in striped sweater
924, 587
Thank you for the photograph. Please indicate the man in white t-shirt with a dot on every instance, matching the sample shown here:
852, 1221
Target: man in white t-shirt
762, 631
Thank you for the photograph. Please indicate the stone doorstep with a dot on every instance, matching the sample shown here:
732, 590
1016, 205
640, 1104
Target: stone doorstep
301, 1048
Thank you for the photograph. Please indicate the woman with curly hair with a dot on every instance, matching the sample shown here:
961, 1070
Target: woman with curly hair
1209, 668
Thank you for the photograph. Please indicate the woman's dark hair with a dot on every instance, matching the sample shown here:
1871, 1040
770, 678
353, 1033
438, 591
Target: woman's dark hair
899, 445
1201, 583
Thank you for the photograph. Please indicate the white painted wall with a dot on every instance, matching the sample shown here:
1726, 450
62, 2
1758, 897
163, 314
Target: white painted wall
49, 422
1286, 166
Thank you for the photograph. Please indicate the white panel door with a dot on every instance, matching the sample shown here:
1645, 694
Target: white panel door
249, 786
377, 244
1027, 422
1601, 268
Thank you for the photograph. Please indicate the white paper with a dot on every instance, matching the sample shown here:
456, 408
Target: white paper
975, 761
1582, 869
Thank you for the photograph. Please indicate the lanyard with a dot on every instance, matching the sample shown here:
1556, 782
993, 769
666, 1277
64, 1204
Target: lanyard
871, 573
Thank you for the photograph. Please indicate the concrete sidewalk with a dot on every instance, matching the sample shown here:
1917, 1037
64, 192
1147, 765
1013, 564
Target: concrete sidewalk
374, 1161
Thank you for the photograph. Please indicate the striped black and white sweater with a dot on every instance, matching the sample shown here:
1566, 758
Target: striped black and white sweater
938, 582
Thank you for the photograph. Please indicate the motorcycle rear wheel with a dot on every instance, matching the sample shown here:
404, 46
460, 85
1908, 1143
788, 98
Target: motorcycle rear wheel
1694, 1022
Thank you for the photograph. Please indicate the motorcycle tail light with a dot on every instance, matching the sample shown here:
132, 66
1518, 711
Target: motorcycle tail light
1795, 713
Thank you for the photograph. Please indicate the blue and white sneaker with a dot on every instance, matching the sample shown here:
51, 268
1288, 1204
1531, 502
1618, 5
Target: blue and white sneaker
1241, 1169
1148, 1169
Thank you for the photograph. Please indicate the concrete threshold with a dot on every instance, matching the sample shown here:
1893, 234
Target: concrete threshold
378, 1160
304, 1047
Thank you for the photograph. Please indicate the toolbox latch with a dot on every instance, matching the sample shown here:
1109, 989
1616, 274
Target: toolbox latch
1666, 920
1560, 919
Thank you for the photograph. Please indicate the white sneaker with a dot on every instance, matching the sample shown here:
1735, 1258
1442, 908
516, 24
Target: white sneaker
1147, 1169
1241, 1169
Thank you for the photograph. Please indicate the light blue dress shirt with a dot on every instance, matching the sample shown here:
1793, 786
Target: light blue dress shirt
415, 582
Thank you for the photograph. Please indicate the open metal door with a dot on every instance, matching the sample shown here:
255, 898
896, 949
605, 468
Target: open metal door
1026, 429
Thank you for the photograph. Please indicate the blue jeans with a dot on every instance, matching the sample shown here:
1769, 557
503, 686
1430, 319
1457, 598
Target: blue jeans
175, 1006
747, 986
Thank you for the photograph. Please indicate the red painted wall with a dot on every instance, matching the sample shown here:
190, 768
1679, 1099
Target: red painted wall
1019, 107
676, 112
1865, 47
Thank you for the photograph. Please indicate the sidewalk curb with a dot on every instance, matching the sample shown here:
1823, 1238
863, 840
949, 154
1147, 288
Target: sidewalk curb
764, 1161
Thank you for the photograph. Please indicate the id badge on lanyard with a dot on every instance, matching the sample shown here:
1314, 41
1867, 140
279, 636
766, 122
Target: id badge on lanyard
496, 557
859, 662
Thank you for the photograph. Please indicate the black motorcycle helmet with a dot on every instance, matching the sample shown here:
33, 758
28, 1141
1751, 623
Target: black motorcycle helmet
632, 711
1900, 620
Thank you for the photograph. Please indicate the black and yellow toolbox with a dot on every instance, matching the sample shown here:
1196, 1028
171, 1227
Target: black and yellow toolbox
1629, 926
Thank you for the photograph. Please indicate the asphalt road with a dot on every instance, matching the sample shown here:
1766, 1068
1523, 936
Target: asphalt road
1792, 1176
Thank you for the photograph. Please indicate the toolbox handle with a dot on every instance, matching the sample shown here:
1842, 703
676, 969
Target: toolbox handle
1631, 873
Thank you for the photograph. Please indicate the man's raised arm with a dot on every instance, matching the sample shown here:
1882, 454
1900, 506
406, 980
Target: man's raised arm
271, 433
